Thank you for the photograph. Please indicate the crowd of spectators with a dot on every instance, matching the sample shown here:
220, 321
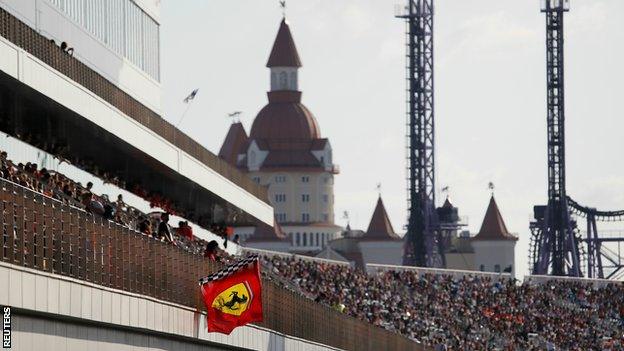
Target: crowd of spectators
156, 224
447, 313
469, 313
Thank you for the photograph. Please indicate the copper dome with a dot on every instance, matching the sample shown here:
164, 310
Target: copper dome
285, 117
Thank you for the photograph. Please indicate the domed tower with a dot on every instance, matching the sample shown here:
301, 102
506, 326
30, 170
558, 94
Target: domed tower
285, 151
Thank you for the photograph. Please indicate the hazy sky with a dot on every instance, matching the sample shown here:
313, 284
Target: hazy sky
490, 95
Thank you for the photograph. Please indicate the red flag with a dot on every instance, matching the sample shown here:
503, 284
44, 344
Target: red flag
233, 296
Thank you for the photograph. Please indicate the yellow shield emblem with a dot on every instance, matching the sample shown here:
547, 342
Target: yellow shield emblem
234, 300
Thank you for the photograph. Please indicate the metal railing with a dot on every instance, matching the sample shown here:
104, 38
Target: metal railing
40, 47
42, 233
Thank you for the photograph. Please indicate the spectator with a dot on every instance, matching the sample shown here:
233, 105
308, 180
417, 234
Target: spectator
185, 230
236, 239
91, 203
164, 231
465, 313
211, 250
145, 227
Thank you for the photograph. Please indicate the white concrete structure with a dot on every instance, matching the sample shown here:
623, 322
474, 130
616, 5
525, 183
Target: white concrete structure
34, 73
494, 247
52, 312
125, 49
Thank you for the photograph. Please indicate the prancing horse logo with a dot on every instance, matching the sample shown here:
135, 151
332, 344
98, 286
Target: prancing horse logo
233, 300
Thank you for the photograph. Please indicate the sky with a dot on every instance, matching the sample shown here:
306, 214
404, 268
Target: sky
490, 95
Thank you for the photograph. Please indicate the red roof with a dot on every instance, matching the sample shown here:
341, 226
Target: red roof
380, 227
234, 144
284, 52
292, 158
285, 120
493, 227
447, 203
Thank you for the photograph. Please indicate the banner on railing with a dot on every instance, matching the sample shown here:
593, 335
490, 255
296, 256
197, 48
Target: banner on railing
233, 296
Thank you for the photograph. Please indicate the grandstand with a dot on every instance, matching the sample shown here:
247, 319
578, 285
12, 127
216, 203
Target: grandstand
89, 168
109, 214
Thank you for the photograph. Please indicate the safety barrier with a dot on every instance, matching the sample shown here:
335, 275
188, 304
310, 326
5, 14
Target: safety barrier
456, 273
41, 233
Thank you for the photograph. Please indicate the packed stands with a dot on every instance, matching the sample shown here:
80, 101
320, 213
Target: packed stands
469, 313
44, 234
60, 187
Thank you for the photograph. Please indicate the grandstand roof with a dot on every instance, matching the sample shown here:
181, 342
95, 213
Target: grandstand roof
380, 227
284, 52
493, 226
234, 144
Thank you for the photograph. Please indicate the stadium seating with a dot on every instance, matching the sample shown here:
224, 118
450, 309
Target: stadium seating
468, 313
58, 186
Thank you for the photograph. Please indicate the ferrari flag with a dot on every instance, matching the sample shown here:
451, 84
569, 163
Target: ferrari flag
233, 296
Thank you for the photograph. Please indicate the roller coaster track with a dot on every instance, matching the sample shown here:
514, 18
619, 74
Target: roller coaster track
602, 216
600, 260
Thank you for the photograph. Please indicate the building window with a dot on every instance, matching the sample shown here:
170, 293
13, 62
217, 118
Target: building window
283, 81
325, 217
305, 217
280, 197
497, 268
293, 80
305, 179
281, 217
305, 197
305, 239
316, 239
325, 198
280, 179
297, 239
482, 268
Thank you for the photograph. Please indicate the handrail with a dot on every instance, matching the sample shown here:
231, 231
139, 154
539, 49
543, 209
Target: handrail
371, 268
293, 256
42, 233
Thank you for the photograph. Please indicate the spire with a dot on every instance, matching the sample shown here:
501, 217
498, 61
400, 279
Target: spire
284, 52
493, 227
234, 143
380, 227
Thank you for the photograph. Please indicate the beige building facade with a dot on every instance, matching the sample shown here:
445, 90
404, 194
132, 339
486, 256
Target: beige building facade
285, 152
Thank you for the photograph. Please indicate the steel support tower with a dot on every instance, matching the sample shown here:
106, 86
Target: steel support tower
557, 247
422, 246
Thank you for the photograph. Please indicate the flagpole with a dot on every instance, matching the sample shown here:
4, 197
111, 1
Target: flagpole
188, 101
184, 113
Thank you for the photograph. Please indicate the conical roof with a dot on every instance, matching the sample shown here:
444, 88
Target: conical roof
380, 227
284, 52
234, 143
493, 226
447, 203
